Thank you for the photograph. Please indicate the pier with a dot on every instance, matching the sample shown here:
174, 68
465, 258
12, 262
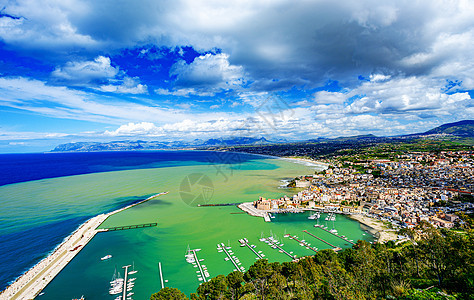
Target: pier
220, 204
335, 234
280, 248
302, 243
161, 276
223, 247
320, 239
129, 227
259, 256
124, 292
203, 275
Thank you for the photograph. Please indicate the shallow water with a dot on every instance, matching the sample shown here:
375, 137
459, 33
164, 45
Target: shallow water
56, 206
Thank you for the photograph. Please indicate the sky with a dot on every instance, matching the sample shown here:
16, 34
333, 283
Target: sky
74, 71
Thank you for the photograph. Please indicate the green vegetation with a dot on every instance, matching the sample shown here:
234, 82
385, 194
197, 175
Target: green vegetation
433, 264
169, 294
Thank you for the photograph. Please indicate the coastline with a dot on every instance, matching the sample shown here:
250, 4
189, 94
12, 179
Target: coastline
376, 228
33, 281
309, 162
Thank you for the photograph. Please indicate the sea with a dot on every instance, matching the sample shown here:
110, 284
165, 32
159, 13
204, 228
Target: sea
46, 196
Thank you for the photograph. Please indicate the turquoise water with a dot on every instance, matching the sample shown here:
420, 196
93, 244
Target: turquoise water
51, 200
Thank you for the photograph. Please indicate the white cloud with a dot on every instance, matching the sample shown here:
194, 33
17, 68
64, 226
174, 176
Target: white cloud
86, 71
325, 97
379, 77
210, 72
412, 95
128, 86
136, 129
184, 92
61, 102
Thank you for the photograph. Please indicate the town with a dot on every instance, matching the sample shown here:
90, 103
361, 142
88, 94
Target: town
402, 191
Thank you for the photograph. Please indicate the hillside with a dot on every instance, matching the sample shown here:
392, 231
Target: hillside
461, 129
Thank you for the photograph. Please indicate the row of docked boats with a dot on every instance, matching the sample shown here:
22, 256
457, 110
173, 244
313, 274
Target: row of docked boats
191, 258
117, 284
231, 256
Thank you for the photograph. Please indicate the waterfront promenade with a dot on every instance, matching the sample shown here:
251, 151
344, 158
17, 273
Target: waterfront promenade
31, 283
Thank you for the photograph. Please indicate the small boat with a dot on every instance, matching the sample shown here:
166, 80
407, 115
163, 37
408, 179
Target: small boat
133, 269
82, 298
108, 256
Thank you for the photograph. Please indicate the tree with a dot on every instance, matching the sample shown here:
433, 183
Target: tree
234, 283
169, 294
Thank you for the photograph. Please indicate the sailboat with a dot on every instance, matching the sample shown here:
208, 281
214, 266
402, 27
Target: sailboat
116, 285
333, 230
133, 269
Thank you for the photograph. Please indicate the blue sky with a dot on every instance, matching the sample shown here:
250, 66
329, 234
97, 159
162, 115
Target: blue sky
179, 70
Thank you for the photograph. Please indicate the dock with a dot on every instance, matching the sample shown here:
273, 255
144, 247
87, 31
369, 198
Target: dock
199, 265
203, 275
273, 244
220, 204
129, 227
335, 234
320, 239
259, 256
124, 292
302, 243
161, 276
231, 258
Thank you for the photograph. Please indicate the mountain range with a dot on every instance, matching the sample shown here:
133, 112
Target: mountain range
461, 129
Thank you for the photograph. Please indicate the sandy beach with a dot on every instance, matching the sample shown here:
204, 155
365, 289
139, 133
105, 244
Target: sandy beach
376, 227
307, 161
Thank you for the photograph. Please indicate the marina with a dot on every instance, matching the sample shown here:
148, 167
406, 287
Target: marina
245, 243
231, 257
275, 245
192, 258
335, 234
302, 243
335, 247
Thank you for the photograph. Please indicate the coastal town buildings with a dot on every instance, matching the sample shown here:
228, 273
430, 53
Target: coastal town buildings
418, 186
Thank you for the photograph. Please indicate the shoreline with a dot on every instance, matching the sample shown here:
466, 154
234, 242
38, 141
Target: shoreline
313, 163
32, 282
376, 228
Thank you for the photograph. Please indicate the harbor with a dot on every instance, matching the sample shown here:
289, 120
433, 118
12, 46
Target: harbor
178, 226
230, 257
32, 282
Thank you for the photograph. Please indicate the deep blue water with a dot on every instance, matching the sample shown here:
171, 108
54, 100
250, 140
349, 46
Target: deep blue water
35, 243
25, 167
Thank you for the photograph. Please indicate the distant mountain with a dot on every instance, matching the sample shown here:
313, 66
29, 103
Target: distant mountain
364, 137
461, 129
236, 141
156, 145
